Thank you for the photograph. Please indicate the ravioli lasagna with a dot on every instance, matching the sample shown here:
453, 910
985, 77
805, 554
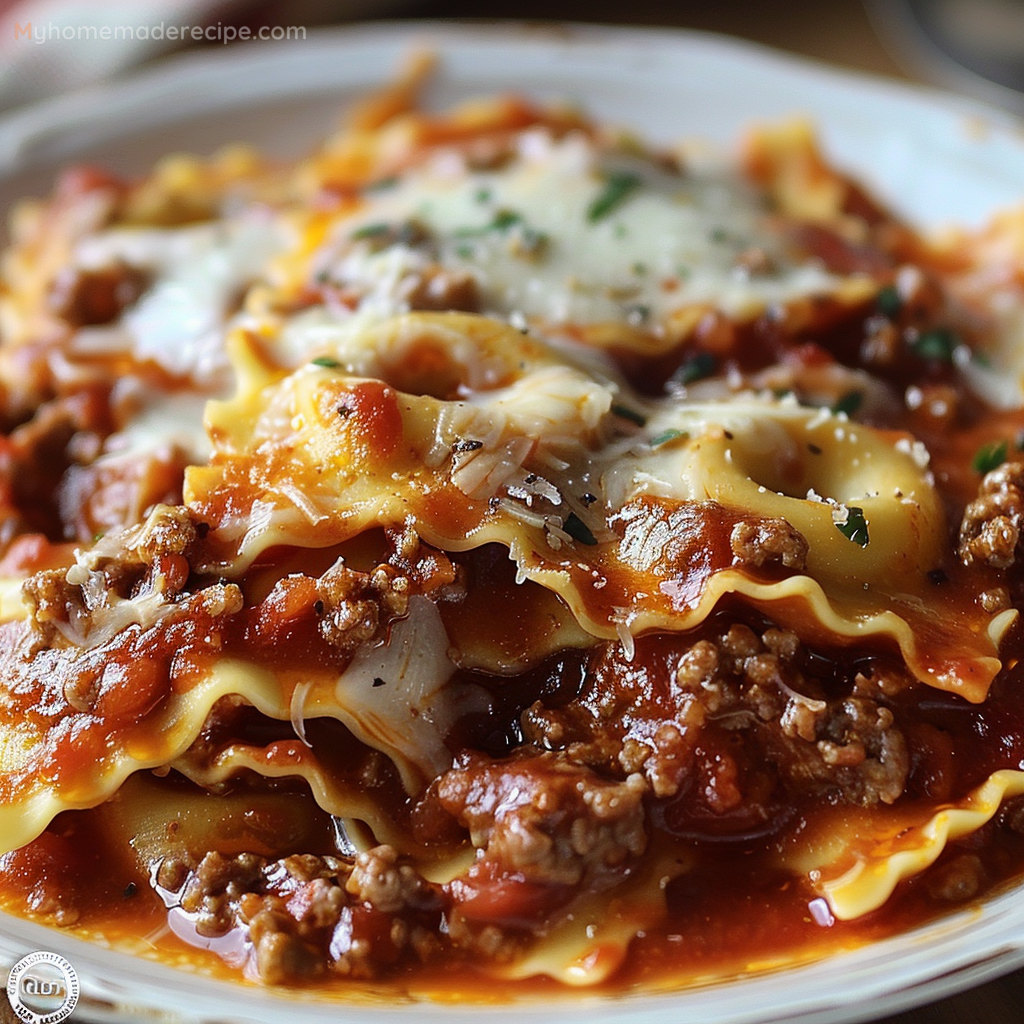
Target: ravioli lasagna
493, 548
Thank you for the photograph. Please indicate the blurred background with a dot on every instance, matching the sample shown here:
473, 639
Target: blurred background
973, 46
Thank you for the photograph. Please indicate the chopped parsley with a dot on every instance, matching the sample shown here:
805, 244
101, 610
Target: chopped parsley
989, 456
625, 413
532, 242
376, 230
618, 187
849, 403
326, 361
697, 367
855, 526
889, 303
936, 346
380, 235
578, 530
668, 436
382, 184
637, 314
502, 220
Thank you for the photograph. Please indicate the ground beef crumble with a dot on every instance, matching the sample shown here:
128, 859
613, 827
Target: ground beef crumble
990, 532
729, 719
548, 821
305, 915
761, 542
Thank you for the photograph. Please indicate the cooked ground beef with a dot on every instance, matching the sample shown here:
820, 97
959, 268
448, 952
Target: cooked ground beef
730, 719
356, 605
763, 541
150, 559
85, 298
307, 915
991, 527
547, 821
957, 880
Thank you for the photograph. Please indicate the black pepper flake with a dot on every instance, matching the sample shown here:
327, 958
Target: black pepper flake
530, 478
938, 576
344, 411
588, 499
814, 449
465, 445
728, 434
318, 607
130, 890
202, 529
377, 681
578, 530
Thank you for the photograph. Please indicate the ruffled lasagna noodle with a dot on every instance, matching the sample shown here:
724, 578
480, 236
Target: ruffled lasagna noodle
491, 545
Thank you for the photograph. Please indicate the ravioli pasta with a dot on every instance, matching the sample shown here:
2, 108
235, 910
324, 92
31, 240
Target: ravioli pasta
490, 548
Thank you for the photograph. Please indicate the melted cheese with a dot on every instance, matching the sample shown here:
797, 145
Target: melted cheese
543, 431
511, 426
562, 233
200, 273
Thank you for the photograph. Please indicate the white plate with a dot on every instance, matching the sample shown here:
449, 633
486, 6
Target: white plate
934, 158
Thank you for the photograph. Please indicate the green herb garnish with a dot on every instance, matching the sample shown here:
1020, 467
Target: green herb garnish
578, 530
889, 303
618, 187
697, 367
377, 230
382, 184
326, 361
849, 403
855, 527
936, 346
668, 436
989, 456
625, 413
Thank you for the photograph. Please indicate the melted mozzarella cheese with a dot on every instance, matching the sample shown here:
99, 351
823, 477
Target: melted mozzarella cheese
199, 274
536, 239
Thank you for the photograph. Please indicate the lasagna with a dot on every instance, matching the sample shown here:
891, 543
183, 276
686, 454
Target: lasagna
493, 548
